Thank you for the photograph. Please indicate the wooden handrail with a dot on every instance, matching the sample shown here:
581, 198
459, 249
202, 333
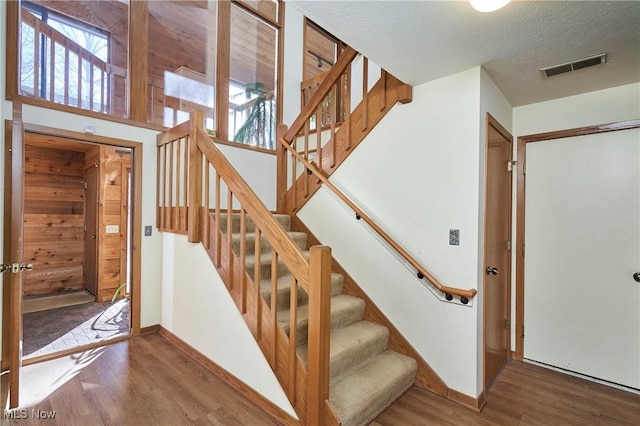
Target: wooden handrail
388, 239
290, 253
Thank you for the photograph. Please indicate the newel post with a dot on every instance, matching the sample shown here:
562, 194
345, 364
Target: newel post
319, 333
195, 177
281, 168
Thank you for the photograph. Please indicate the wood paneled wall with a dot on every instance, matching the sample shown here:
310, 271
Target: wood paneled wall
54, 219
112, 211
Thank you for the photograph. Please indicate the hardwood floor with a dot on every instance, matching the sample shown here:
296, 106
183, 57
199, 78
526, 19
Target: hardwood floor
141, 381
149, 381
525, 395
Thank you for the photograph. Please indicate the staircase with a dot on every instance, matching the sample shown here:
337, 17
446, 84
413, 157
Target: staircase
365, 376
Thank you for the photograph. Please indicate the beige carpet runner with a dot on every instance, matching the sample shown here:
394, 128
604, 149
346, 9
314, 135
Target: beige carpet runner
43, 303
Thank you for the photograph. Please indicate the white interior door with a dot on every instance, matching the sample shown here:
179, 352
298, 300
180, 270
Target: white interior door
582, 227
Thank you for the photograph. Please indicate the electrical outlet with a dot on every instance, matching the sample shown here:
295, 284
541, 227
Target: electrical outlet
454, 237
147, 231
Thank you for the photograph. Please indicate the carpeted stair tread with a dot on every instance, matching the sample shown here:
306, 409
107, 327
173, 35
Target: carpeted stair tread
345, 310
282, 219
265, 264
352, 345
360, 395
300, 238
284, 290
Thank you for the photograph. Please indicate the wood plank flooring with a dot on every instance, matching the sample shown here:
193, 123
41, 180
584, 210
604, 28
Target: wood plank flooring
148, 381
525, 395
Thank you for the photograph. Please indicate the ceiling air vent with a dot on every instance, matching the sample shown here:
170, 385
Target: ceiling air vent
575, 65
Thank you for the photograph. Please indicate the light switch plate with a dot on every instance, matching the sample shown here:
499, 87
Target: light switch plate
454, 237
112, 229
147, 231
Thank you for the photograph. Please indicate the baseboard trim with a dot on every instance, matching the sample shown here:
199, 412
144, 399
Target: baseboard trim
476, 404
149, 330
271, 409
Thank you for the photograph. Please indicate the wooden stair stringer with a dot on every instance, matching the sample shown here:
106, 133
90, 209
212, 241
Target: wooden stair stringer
426, 377
278, 361
392, 91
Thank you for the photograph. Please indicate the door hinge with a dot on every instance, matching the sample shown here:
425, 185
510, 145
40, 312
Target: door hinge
522, 249
524, 168
522, 333
507, 324
86, 186
508, 245
511, 164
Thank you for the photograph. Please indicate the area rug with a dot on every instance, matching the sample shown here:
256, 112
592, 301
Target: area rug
43, 303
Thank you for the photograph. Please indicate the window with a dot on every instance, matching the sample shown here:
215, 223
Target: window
67, 60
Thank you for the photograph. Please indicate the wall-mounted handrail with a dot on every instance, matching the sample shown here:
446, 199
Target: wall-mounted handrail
360, 214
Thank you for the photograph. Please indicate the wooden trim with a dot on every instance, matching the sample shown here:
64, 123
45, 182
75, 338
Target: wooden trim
138, 60
6, 243
252, 10
12, 35
223, 52
194, 176
520, 206
273, 411
426, 378
136, 209
150, 329
244, 146
29, 100
476, 404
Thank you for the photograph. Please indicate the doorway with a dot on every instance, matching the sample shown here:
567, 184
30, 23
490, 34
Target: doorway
497, 250
582, 203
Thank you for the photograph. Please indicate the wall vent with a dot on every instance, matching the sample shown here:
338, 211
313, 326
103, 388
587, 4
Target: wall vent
574, 65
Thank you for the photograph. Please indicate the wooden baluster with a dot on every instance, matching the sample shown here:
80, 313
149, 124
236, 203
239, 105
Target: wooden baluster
218, 231
164, 187
52, 72
159, 173
383, 77
103, 101
293, 322
307, 125
274, 308
347, 107
229, 241
318, 138
243, 250
178, 177
207, 201
191, 140
294, 181
36, 61
66, 76
334, 118
171, 183
365, 93
257, 275
91, 86
319, 332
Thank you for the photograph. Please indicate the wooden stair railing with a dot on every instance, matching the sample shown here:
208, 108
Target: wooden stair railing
303, 169
198, 191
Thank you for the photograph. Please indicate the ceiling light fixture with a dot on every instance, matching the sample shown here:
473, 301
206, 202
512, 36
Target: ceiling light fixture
488, 5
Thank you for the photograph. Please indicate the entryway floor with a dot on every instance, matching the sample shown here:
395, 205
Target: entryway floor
54, 330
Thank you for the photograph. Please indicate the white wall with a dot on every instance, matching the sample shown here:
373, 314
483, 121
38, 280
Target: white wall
197, 307
417, 173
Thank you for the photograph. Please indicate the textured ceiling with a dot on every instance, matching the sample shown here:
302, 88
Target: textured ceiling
420, 41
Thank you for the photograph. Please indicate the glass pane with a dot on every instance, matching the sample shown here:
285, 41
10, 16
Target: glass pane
59, 68
320, 51
267, 8
27, 60
252, 102
72, 75
181, 61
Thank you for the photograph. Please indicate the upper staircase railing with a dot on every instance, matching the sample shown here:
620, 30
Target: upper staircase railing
198, 194
330, 144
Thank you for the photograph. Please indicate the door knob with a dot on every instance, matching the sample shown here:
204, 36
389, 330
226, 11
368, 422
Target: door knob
636, 276
93, 237
492, 271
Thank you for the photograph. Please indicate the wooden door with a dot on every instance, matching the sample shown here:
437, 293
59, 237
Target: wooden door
91, 231
582, 303
497, 250
13, 262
